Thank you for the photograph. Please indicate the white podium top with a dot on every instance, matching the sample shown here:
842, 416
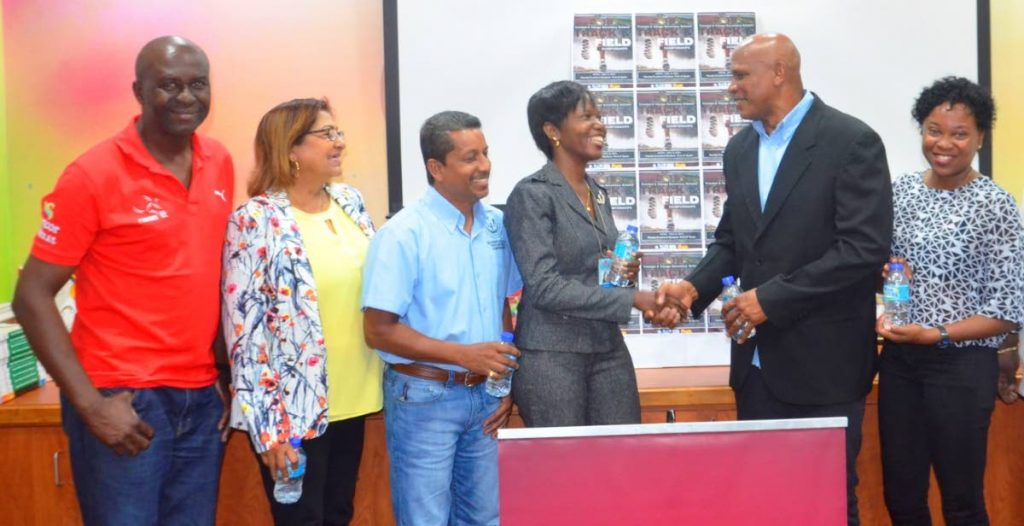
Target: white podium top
668, 428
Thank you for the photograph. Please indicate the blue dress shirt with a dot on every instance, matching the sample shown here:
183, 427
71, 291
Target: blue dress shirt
770, 150
441, 281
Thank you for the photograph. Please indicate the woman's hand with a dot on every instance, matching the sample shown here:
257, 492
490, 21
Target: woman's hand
278, 458
628, 270
913, 334
907, 271
1009, 362
667, 316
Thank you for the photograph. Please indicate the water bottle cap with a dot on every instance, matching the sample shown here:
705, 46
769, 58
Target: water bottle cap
631, 229
728, 280
508, 337
296, 442
895, 267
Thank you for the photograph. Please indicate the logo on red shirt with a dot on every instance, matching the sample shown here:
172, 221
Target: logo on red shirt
150, 210
48, 231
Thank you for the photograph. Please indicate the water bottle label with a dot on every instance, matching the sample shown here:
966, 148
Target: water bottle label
624, 251
604, 267
895, 292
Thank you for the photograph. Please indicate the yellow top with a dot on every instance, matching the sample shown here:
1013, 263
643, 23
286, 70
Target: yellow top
336, 249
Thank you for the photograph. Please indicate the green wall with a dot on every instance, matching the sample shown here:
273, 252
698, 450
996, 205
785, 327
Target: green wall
8, 267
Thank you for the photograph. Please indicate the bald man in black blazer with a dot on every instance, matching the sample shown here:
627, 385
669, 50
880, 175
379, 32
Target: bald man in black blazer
807, 227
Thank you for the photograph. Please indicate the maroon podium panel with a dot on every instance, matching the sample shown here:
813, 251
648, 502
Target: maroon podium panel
769, 472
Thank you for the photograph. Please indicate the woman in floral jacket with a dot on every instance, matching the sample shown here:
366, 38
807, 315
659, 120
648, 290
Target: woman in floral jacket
300, 366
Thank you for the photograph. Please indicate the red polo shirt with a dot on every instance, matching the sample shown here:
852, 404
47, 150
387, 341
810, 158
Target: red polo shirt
148, 258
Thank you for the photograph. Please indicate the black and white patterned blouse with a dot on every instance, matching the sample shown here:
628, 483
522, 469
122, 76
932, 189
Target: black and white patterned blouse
966, 249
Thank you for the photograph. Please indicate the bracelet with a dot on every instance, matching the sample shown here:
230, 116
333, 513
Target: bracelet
1012, 348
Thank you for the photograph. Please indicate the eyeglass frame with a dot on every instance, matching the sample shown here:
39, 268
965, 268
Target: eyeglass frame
339, 135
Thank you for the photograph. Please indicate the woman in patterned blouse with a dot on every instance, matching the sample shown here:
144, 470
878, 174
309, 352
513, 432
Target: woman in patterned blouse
299, 363
962, 235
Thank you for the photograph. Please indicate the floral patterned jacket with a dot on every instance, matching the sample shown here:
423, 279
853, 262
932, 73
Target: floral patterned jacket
272, 322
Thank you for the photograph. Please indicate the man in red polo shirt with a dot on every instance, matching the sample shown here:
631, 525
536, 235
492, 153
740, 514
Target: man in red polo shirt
140, 220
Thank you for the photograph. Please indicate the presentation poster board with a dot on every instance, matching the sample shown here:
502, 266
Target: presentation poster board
665, 53
666, 135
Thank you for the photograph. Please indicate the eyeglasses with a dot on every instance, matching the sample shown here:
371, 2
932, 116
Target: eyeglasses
328, 132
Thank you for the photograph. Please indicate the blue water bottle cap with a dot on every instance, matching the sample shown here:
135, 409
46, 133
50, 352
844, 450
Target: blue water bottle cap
296, 442
631, 229
508, 337
728, 280
895, 267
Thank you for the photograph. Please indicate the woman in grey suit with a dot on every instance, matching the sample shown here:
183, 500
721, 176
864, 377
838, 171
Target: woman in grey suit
574, 369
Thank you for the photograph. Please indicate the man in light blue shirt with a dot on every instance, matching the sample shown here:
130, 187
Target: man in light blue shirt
808, 226
769, 155
435, 288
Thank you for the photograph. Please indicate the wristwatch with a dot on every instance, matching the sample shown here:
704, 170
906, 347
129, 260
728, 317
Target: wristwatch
944, 340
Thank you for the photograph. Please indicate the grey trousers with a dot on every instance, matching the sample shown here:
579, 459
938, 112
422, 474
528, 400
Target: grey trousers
560, 388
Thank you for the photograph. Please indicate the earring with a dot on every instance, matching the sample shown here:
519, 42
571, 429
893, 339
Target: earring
294, 163
558, 143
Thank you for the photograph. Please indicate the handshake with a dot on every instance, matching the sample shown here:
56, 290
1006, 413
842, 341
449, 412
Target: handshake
669, 306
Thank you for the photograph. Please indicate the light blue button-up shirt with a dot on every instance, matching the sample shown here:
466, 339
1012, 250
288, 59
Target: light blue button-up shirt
770, 150
439, 280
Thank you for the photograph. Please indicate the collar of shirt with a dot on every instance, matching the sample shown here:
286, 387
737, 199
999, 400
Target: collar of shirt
787, 126
130, 142
772, 147
451, 217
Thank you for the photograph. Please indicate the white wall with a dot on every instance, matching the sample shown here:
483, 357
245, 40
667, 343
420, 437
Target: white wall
869, 58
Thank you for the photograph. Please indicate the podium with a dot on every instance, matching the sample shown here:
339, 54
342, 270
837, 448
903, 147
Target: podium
765, 472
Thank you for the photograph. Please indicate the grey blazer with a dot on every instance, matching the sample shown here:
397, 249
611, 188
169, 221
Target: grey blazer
556, 246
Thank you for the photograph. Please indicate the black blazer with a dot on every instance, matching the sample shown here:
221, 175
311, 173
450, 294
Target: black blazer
814, 255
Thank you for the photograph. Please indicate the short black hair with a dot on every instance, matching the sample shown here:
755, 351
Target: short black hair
957, 90
435, 135
553, 103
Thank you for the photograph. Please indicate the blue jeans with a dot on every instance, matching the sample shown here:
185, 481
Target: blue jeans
172, 482
444, 469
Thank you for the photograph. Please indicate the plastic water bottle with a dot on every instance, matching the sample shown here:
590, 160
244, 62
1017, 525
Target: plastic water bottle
625, 252
731, 289
896, 296
501, 387
288, 492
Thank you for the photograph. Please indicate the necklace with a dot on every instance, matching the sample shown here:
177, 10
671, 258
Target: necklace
586, 202
591, 214
323, 203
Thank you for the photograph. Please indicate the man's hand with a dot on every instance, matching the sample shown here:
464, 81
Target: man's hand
223, 386
682, 295
278, 458
499, 418
1009, 362
668, 315
489, 358
116, 424
742, 314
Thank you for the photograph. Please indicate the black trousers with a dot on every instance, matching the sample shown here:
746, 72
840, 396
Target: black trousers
329, 485
755, 402
934, 409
